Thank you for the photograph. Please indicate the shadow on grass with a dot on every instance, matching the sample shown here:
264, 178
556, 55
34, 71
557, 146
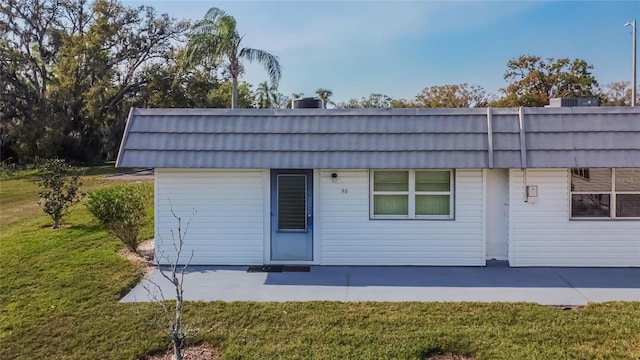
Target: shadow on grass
130, 285
85, 228
89, 228
29, 175
108, 168
439, 354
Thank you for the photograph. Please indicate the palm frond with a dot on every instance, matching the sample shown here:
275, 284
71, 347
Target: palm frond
214, 13
215, 38
212, 38
270, 62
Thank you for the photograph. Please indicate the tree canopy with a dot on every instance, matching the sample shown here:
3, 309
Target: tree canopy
447, 96
534, 80
325, 95
215, 38
616, 94
71, 70
266, 96
373, 101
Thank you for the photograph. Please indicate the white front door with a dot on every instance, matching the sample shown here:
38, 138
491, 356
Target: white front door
497, 208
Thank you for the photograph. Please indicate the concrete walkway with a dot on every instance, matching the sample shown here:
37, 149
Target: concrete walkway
496, 282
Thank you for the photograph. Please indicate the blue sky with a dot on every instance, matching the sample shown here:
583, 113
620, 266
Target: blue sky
398, 48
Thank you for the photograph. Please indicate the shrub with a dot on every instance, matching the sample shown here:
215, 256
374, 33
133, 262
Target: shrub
121, 210
60, 183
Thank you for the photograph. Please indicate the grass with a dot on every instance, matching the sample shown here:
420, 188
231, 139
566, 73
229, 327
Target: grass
59, 292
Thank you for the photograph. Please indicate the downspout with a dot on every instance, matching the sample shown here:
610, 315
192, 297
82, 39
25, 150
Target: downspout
490, 137
523, 153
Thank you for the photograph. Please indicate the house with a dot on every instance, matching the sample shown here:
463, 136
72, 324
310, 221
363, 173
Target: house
534, 186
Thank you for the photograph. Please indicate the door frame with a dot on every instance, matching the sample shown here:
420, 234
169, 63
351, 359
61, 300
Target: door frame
496, 213
269, 176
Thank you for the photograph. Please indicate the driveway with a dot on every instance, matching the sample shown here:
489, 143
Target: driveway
494, 283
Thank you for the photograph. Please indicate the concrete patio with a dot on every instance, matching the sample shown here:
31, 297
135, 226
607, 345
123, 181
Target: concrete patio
495, 283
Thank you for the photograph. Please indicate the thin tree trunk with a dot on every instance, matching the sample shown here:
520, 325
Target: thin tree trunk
176, 333
234, 92
177, 352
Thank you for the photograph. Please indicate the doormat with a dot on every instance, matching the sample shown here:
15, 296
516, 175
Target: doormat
265, 268
278, 268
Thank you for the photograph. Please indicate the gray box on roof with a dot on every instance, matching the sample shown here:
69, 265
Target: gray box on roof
571, 102
396, 138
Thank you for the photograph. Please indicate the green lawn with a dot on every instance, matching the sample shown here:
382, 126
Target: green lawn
59, 291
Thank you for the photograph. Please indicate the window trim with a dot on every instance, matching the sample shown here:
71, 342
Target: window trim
612, 198
411, 193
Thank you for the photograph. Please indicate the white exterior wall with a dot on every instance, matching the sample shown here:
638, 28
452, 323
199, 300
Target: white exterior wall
541, 233
349, 237
228, 227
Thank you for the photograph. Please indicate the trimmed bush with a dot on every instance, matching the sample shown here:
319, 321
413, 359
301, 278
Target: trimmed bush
60, 184
121, 210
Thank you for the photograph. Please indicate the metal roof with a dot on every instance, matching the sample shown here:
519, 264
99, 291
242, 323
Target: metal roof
395, 138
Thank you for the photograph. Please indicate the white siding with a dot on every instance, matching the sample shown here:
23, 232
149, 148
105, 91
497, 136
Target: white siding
541, 233
349, 237
228, 227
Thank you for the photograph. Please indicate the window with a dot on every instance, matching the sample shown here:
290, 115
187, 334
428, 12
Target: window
411, 194
605, 193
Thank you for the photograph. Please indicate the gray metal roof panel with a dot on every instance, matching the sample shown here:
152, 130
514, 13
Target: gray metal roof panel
583, 140
506, 141
313, 142
397, 138
595, 122
294, 124
505, 123
181, 112
305, 159
584, 158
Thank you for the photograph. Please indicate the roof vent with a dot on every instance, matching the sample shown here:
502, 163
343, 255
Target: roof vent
307, 103
572, 102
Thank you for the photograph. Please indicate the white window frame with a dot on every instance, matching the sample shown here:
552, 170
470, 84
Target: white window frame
612, 199
411, 193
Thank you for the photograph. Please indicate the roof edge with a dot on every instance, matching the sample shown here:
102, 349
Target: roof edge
381, 112
125, 135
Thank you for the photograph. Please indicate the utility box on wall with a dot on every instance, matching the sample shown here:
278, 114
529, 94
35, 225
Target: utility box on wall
531, 194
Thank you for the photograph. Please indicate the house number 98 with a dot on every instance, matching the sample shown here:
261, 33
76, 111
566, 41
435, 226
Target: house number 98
345, 190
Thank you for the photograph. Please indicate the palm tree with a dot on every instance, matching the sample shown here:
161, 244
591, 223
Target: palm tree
216, 38
266, 96
324, 95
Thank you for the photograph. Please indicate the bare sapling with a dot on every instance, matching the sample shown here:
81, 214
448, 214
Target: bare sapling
173, 268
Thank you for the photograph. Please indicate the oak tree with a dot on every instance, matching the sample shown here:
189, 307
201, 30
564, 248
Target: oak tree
534, 80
